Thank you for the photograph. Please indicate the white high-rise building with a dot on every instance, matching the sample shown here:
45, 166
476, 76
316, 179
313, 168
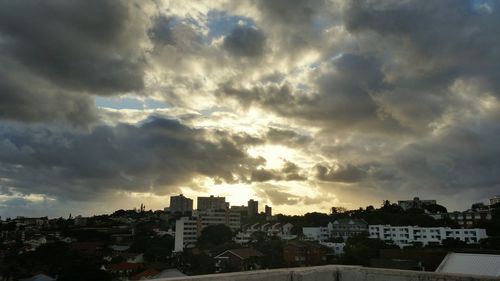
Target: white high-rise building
187, 229
186, 233
406, 235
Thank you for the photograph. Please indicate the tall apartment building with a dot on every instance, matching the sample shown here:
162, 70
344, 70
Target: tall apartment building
253, 207
415, 203
211, 203
186, 233
406, 235
180, 204
268, 211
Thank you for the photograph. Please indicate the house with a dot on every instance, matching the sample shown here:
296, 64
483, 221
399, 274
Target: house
347, 227
238, 260
306, 253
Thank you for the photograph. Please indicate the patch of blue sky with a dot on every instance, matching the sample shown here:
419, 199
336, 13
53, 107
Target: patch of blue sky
220, 23
482, 6
129, 103
320, 24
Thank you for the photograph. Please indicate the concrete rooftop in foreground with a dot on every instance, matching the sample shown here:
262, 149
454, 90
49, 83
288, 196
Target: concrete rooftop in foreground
332, 273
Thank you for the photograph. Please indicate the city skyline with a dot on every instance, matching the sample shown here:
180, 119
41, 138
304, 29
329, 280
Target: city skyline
301, 106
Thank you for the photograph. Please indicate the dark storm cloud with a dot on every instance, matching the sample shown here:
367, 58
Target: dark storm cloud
340, 173
461, 158
66, 47
152, 157
245, 42
455, 38
161, 31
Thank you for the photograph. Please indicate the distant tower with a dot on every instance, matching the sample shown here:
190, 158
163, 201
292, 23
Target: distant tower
253, 207
269, 211
180, 204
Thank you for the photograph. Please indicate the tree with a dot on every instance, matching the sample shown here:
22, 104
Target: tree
214, 235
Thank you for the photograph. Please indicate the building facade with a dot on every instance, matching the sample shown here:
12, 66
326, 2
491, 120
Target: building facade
415, 203
407, 235
253, 207
188, 229
186, 233
180, 204
347, 227
466, 219
211, 203
320, 233
230, 218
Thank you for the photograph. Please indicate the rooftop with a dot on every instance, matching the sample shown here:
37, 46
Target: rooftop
332, 273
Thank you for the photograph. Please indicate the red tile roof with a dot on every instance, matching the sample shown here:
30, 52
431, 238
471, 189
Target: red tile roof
145, 274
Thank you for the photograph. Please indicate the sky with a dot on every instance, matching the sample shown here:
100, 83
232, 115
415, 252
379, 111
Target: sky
301, 105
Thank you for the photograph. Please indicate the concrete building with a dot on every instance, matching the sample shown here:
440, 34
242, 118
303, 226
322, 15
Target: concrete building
281, 230
347, 227
186, 233
253, 207
268, 211
415, 203
230, 218
188, 229
495, 200
180, 204
320, 233
467, 218
211, 203
407, 235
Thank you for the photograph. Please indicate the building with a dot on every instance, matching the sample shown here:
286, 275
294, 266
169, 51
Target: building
306, 253
467, 218
238, 260
253, 207
211, 203
186, 233
187, 229
180, 204
495, 200
347, 227
408, 235
320, 233
281, 230
415, 203
230, 218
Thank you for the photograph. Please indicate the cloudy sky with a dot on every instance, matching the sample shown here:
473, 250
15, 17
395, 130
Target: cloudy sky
302, 105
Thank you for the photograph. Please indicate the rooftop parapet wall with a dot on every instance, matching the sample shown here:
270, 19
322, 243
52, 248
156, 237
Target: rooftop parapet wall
332, 273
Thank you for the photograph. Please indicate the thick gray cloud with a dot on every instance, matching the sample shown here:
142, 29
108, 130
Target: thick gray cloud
289, 172
152, 157
245, 42
54, 50
348, 173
